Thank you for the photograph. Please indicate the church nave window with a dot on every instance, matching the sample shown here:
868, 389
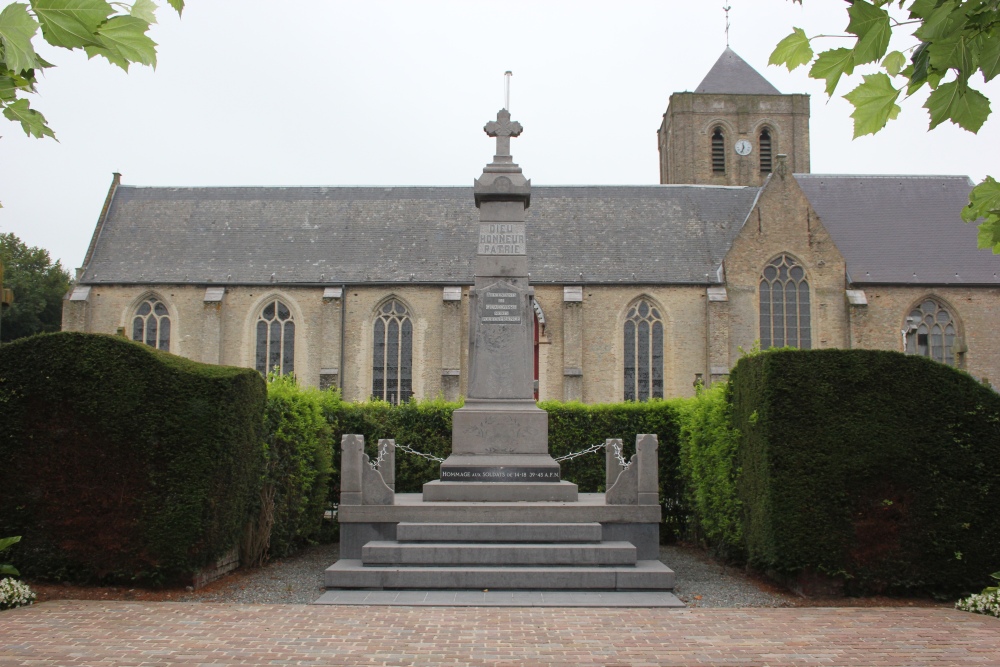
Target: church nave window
643, 352
275, 339
784, 305
930, 332
765, 151
151, 324
392, 367
718, 151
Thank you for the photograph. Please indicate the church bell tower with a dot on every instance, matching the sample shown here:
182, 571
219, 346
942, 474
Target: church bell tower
731, 129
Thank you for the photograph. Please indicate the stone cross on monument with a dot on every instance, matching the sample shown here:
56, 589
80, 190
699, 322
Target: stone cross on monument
500, 438
503, 129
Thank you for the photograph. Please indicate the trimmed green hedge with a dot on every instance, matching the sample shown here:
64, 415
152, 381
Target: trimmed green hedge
708, 451
121, 463
873, 466
300, 457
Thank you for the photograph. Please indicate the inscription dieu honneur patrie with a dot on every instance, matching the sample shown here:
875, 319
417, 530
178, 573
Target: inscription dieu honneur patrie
501, 238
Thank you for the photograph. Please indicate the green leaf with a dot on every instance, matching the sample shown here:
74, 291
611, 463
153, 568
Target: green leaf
871, 25
966, 107
953, 53
178, 5
984, 199
9, 570
8, 89
988, 236
123, 41
32, 122
942, 21
145, 10
792, 51
989, 57
830, 65
894, 63
71, 23
874, 104
8, 542
16, 30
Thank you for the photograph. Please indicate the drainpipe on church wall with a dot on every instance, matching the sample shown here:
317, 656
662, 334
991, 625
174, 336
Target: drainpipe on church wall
343, 315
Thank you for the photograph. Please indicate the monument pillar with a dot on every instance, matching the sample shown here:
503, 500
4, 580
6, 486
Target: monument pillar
500, 437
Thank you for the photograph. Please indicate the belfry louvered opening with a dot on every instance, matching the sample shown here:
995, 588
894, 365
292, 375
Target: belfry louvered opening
718, 151
765, 151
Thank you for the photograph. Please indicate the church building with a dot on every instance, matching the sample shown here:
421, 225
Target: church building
639, 291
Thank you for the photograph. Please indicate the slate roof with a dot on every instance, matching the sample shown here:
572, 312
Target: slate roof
665, 234
902, 229
734, 76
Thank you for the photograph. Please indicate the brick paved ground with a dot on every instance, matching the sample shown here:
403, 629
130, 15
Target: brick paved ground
75, 632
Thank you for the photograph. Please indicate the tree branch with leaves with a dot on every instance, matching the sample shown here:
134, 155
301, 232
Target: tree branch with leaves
115, 31
953, 41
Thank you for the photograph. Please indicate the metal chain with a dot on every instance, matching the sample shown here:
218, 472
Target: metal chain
567, 457
594, 448
383, 450
405, 448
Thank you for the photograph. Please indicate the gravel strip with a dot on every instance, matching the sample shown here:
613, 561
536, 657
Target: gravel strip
299, 580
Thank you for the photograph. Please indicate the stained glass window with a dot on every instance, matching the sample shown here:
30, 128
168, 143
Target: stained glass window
930, 332
151, 324
785, 318
275, 339
643, 352
392, 354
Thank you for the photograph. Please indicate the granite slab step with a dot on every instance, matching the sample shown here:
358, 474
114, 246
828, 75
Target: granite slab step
498, 532
644, 575
392, 552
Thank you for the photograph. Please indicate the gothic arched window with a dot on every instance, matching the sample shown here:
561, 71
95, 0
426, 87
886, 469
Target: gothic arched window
151, 324
784, 305
718, 151
765, 151
392, 367
930, 332
275, 339
643, 352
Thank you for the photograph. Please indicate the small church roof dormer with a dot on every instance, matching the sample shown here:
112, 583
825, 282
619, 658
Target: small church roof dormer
731, 75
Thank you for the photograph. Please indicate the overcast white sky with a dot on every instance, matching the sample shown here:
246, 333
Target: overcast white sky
326, 92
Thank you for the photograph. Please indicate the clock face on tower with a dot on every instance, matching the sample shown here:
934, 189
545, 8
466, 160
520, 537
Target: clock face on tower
743, 147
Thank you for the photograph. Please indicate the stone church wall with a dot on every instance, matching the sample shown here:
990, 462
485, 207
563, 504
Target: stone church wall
784, 222
976, 310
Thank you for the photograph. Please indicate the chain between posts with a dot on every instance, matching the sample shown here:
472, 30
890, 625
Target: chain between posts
384, 449
595, 448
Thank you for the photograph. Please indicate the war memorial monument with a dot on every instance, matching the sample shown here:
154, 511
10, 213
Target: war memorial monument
500, 518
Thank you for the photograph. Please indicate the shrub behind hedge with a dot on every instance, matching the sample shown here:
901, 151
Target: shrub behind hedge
869, 465
299, 461
121, 463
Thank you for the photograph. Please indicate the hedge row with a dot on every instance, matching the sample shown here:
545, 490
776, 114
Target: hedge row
871, 466
123, 463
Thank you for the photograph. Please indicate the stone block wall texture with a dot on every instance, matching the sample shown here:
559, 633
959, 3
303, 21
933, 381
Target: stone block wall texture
685, 136
784, 222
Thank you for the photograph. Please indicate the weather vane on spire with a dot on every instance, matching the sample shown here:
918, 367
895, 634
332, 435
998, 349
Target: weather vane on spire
726, 9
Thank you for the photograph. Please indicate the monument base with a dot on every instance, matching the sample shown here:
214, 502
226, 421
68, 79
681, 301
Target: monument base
500, 492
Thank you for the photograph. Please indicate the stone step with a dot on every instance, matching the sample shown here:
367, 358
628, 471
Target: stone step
498, 532
644, 575
497, 554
